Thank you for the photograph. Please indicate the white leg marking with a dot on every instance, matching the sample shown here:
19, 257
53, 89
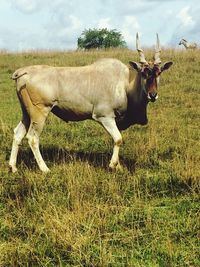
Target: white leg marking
19, 133
110, 125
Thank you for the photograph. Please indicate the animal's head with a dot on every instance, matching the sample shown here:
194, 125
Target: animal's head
150, 71
182, 41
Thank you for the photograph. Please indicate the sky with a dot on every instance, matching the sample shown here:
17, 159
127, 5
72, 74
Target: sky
57, 24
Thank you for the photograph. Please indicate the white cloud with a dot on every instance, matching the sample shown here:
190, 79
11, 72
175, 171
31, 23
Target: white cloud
73, 25
64, 32
75, 22
104, 23
185, 18
27, 6
130, 26
131, 22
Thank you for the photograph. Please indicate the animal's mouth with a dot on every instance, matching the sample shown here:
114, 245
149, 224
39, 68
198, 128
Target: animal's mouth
152, 100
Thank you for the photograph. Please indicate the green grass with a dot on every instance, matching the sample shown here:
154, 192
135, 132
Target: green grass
81, 214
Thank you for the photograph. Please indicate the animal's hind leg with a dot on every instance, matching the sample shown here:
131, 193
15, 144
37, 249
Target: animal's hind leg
35, 129
19, 133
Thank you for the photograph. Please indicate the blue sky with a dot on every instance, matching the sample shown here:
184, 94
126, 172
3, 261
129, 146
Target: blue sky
56, 24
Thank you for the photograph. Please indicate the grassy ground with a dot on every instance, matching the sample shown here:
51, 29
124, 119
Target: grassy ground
81, 214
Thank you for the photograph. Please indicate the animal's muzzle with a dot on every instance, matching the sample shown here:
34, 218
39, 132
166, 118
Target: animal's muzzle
152, 96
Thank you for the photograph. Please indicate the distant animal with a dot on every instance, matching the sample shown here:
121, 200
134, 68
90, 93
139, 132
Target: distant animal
187, 44
104, 91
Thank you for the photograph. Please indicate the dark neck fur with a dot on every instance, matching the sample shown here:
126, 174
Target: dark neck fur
136, 112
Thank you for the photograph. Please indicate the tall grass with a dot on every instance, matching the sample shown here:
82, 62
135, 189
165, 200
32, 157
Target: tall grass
81, 214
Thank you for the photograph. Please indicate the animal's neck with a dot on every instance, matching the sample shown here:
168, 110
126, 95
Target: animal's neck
137, 104
185, 44
136, 95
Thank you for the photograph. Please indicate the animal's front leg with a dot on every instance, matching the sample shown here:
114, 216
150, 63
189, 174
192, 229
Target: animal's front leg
114, 163
110, 125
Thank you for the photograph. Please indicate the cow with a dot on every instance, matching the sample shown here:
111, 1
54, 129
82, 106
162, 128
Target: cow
188, 45
105, 91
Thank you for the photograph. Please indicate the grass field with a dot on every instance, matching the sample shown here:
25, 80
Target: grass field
81, 214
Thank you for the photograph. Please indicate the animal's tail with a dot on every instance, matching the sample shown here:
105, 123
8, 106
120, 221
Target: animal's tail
16, 75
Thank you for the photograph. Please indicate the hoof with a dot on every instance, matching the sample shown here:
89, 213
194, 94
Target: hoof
12, 169
115, 167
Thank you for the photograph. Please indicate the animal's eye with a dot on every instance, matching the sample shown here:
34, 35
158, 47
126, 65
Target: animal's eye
157, 71
146, 72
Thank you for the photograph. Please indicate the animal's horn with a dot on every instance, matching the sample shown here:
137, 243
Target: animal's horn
157, 59
140, 51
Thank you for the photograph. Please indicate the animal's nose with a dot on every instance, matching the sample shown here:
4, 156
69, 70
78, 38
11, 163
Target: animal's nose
153, 96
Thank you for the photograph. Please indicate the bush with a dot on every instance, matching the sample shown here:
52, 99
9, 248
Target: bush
100, 38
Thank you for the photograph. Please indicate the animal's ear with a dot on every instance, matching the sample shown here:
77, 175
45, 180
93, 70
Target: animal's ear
166, 65
135, 65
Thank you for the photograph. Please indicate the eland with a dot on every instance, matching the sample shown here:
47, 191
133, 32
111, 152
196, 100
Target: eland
187, 44
104, 91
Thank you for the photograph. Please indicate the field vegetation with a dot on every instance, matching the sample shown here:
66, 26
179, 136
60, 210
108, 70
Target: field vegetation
81, 214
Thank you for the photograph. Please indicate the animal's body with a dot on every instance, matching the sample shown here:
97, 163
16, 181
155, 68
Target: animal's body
103, 91
76, 93
188, 45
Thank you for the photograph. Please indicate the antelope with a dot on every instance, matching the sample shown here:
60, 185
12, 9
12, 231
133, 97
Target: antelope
104, 91
187, 44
